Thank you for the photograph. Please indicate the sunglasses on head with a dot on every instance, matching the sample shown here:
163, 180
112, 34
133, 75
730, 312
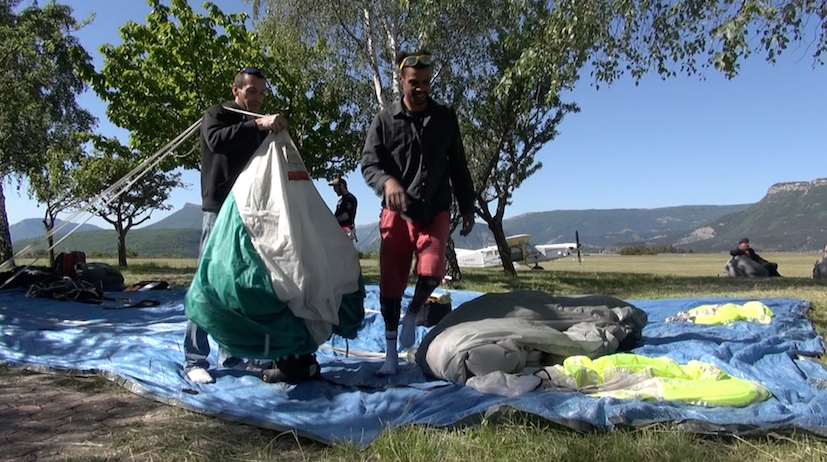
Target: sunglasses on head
253, 71
411, 61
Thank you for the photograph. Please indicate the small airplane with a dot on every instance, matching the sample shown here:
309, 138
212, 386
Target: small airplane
523, 252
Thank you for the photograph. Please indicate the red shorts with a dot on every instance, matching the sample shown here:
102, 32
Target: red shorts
401, 240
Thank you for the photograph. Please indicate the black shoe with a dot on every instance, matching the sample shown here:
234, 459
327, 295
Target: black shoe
293, 369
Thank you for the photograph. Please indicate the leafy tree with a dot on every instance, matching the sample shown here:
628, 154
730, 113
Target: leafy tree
38, 58
505, 121
506, 65
365, 36
542, 49
671, 37
513, 114
167, 72
51, 185
652, 250
139, 197
668, 37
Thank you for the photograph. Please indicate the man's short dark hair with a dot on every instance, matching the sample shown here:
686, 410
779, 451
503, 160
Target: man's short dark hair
743, 241
240, 78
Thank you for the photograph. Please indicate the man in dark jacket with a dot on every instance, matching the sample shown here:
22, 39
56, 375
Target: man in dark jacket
346, 208
820, 267
413, 156
228, 141
745, 250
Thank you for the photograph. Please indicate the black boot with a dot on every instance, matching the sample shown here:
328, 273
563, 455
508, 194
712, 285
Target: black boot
293, 369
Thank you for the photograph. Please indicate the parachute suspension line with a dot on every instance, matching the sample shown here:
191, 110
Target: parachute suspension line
242, 111
256, 115
112, 197
187, 154
112, 192
107, 195
348, 352
140, 169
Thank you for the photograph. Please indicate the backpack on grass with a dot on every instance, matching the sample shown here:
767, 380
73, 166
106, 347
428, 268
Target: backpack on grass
68, 264
102, 275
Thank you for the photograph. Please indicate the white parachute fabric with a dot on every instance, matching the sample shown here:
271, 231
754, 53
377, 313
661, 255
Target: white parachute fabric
311, 261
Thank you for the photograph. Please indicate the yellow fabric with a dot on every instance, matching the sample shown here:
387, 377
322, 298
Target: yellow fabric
753, 311
661, 379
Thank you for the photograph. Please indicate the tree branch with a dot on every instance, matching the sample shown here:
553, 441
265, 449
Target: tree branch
373, 60
393, 45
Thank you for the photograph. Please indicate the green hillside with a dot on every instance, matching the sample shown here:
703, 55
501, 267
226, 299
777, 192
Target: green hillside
33, 228
171, 243
599, 229
189, 217
791, 217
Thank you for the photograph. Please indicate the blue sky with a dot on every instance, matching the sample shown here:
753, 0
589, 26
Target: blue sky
683, 141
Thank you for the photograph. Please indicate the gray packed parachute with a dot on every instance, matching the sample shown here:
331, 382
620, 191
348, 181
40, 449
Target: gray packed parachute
820, 267
744, 266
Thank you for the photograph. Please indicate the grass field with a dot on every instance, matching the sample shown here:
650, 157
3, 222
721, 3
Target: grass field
198, 437
790, 265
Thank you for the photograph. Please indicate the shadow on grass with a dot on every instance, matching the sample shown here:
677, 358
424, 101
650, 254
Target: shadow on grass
181, 435
533, 438
628, 285
650, 286
155, 268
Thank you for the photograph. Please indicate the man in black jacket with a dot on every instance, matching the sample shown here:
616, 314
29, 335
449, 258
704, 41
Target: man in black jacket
745, 250
228, 141
414, 157
346, 207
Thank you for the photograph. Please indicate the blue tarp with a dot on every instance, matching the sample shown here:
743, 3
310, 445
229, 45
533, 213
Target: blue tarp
142, 349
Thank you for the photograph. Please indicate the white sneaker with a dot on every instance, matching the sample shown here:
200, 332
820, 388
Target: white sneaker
200, 375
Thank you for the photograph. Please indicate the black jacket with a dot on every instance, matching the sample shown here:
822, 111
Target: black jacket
228, 141
750, 253
347, 204
424, 153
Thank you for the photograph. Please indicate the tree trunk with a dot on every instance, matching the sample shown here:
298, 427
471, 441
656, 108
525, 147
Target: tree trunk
6, 251
121, 247
453, 272
49, 225
496, 227
451, 264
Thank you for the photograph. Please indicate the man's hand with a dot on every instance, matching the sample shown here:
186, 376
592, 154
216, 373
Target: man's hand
395, 197
274, 122
467, 224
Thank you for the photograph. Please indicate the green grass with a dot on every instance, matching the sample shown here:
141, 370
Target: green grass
189, 436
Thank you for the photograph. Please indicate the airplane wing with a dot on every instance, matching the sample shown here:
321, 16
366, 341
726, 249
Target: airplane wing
555, 251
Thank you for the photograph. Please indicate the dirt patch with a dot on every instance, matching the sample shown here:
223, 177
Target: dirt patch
58, 417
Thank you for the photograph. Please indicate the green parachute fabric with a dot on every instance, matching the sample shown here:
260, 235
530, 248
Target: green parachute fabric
278, 276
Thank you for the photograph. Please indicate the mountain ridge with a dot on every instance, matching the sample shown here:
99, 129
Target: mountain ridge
792, 216
33, 228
